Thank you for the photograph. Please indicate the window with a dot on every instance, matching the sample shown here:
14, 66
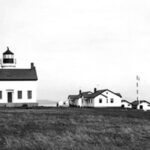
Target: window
111, 100
0, 94
29, 94
100, 100
107, 100
6, 56
91, 100
19, 94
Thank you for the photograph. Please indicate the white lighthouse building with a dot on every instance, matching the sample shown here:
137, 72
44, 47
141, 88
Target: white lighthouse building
17, 86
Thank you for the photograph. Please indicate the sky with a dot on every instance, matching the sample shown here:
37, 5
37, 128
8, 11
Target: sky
80, 44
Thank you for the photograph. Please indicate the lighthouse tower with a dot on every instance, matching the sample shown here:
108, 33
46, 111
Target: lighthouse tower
8, 60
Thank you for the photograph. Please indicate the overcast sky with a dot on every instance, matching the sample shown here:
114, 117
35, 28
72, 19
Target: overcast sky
80, 44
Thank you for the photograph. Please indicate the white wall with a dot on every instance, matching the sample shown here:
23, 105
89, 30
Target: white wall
106, 102
63, 103
96, 101
16, 86
126, 105
60, 103
79, 102
88, 103
145, 106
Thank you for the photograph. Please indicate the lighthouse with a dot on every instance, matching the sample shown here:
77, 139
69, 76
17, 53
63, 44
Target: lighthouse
17, 86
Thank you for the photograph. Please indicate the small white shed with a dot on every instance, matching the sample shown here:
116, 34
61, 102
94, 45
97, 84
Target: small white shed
62, 104
126, 104
144, 105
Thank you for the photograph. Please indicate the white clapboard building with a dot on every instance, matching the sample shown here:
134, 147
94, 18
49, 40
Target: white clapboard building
17, 86
78, 100
99, 98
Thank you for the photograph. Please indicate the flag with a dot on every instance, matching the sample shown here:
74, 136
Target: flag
138, 78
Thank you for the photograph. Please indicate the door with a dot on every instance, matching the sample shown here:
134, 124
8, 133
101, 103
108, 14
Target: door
122, 106
141, 106
9, 95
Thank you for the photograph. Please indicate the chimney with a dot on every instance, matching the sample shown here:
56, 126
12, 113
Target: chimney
80, 92
32, 66
95, 90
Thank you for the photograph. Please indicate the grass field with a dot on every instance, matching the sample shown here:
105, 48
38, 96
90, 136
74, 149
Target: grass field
74, 129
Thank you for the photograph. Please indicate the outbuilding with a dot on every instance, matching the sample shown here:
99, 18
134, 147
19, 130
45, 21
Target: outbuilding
144, 105
126, 104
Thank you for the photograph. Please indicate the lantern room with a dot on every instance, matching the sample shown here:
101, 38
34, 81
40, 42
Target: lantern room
8, 60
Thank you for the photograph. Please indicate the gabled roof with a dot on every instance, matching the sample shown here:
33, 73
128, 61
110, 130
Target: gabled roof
73, 97
118, 94
125, 101
104, 95
89, 94
99, 92
84, 94
7, 52
135, 103
144, 101
18, 74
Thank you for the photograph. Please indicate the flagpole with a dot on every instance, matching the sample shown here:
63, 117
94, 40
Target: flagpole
137, 88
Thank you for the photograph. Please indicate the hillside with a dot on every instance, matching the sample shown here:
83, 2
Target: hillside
47, 103
74, 128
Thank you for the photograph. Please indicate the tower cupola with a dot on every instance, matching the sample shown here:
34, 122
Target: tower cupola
8, 60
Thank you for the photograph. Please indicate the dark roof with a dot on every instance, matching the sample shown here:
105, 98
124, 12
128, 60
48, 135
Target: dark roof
125, 101
135, 103
18, 74
89, 94
95, 94
8, 52
104, 95
84, 94
99, 92
144, 101
73, 97
118, 94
